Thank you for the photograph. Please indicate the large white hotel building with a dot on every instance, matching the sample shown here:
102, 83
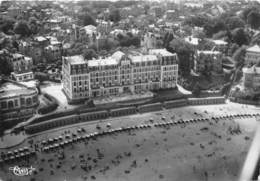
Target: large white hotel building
119, 73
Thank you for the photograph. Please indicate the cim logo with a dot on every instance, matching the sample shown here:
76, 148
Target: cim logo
22, 171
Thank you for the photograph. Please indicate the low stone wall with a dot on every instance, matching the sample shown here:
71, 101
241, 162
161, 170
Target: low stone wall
175, 103
123, 111
206, 100
90, 116
244, 101
38, 127
150, 107
58, 122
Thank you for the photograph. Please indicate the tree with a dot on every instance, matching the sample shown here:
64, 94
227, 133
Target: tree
168, 37
33, 25
205, 44
247, 11
185, 53
5, 64
253, 19
115, 15
239, 56
198, 20
214, 26
233, 48
196, 90
22, 28
86, 19
219, 35
234, 22
89, 54
146, 8
199, 34
128, 40
7, 24
240, 37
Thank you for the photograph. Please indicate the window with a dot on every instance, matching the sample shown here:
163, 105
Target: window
15, 102
28, 101
3, 105
22, 101
35, 99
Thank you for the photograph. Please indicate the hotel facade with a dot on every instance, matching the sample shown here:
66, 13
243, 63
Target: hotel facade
120, 73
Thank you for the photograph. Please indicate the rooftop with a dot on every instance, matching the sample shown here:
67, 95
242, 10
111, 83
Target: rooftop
143, 58
102, 62
10, 89
76, 59
17, 55
118, 55
40, 38
219, 42
209, 52
89, 29
192, 40
251, 70
254, 48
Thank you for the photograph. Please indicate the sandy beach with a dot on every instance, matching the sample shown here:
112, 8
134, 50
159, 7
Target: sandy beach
196, 151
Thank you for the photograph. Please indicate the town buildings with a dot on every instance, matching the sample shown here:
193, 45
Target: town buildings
22, 67
208, 61
220, 45
252, 55
42, 49
117, 74
17, 101
251, 78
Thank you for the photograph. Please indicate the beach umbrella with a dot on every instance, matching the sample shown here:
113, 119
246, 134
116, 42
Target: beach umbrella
9, 153
67, 136
25, 148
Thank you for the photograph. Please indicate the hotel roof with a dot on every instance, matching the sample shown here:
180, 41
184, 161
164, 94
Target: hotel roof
255, 48
102, 62
76, 59
118, 55
143, 58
